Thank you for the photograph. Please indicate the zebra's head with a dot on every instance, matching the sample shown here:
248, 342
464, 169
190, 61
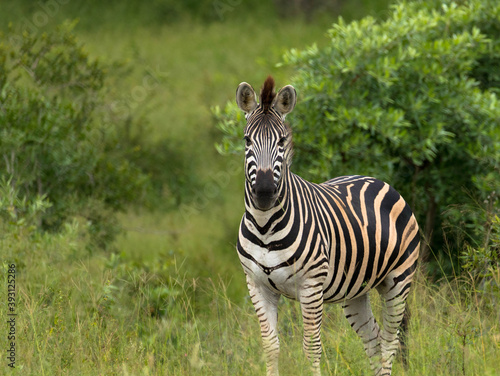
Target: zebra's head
268, 140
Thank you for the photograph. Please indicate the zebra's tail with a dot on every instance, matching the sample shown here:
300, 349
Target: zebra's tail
403, 337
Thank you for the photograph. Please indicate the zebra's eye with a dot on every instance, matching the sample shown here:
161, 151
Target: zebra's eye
282, 141
248, 142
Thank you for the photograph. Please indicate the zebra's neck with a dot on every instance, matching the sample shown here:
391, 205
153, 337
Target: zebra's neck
263, 219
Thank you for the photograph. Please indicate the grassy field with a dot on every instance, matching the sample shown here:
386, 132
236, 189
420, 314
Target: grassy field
169, 297
112, 315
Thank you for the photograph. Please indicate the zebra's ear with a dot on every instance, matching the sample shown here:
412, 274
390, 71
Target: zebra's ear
246, 98
285, 100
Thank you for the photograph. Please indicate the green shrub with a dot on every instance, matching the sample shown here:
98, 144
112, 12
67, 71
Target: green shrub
57, 138
411, 100
482, 261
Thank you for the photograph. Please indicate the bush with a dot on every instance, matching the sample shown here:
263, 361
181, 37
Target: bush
57, 140
482, 262
411, 100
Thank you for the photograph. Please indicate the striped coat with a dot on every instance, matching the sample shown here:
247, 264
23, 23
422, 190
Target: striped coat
319, 243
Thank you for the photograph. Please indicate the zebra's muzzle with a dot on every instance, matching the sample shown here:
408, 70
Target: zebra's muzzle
264, 190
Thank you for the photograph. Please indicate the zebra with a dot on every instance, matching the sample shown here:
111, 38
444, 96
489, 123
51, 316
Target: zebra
319, 243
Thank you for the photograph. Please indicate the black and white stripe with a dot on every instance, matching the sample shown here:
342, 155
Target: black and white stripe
319, 243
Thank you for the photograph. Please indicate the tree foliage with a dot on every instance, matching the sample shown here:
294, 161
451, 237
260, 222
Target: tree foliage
411, 100
57, 139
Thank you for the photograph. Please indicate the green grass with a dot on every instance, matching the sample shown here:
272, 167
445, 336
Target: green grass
169, 297
81, 314
142, 310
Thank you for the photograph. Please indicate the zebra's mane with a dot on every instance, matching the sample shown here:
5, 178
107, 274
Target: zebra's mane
267, 93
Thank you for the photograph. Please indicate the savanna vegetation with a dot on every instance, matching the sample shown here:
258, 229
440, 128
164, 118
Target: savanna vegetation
120, 215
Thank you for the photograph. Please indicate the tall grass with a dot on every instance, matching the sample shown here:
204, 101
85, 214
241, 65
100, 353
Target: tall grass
106, 315
150, 313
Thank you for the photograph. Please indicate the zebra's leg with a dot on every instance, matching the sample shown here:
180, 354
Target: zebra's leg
358, 312
265, 303
311, 304
394, 291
